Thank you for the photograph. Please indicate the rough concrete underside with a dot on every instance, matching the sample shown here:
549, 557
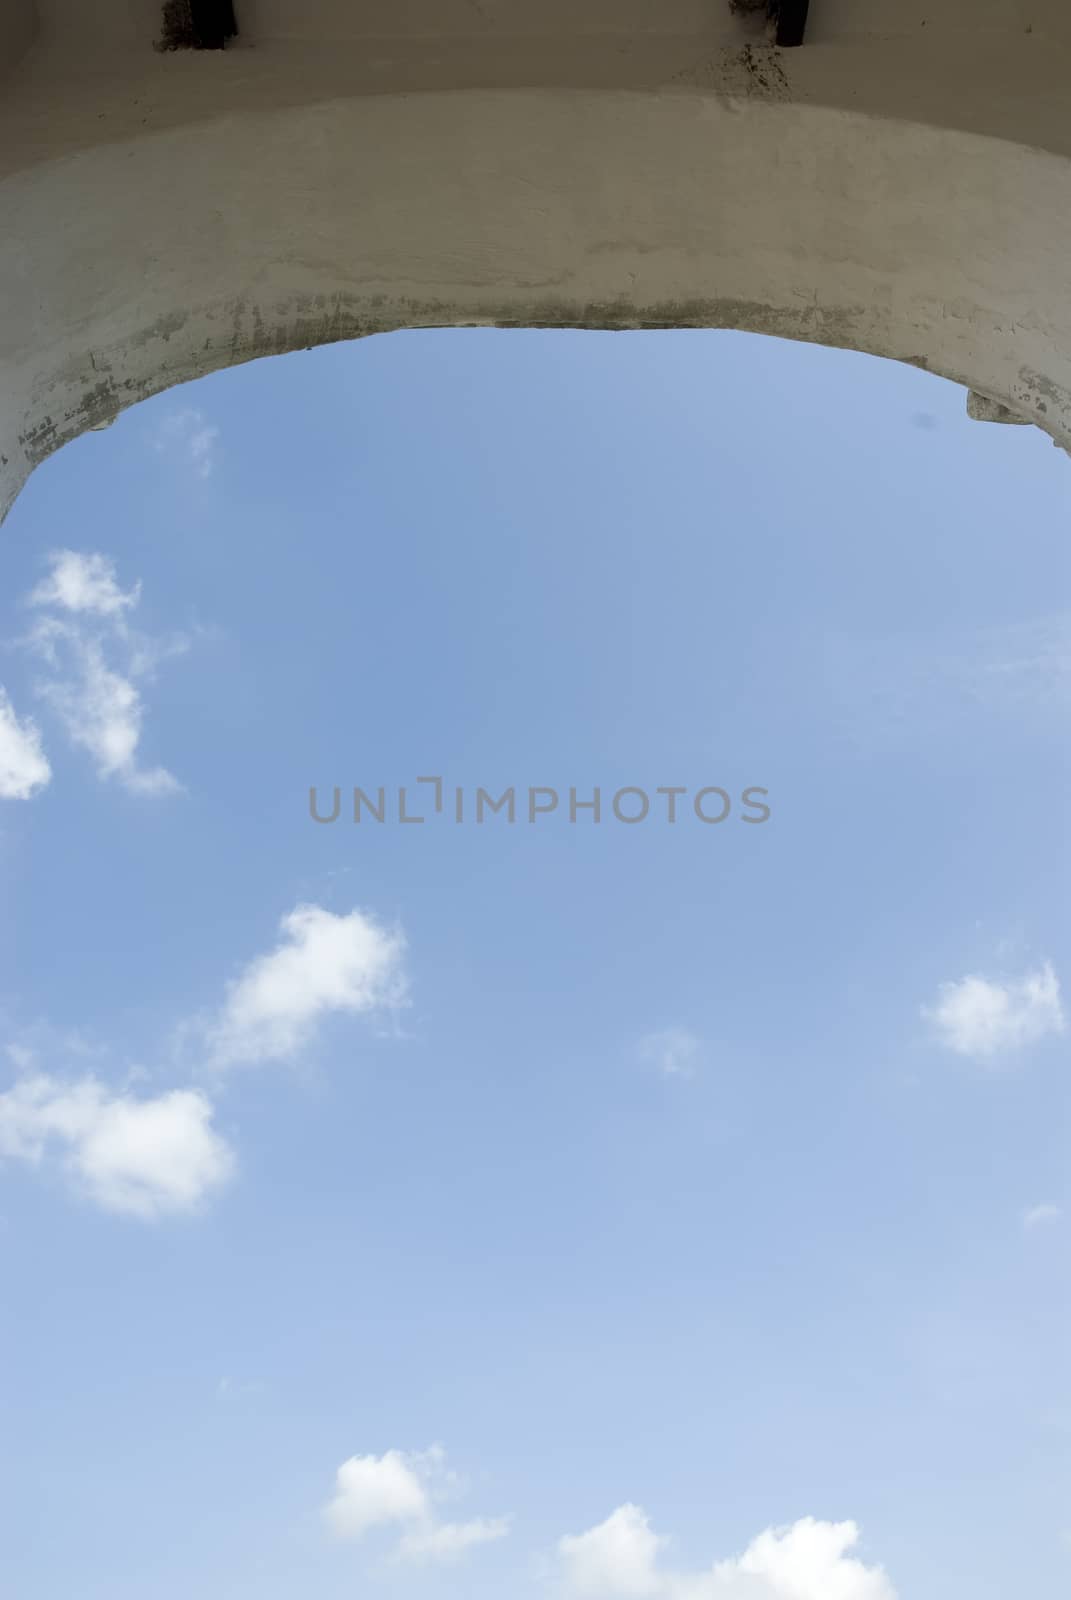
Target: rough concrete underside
900, 184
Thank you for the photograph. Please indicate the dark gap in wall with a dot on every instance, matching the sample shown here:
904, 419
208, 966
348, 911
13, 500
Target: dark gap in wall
791, 19
783, 21
197, 24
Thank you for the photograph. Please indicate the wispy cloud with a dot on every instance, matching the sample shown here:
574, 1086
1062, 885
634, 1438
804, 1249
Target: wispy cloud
101, 711
147, 1157
229, 1388
324, 963
674, 1052
400, 1490
449, 1541
24, 768
1040, 1216
911, 688
622, 1558
188, 437
94, 661
987, 1017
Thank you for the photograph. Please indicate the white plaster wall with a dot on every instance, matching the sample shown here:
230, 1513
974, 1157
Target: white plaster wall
161, 216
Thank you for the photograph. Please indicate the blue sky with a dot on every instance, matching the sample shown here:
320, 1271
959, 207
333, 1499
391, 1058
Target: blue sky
548, 1209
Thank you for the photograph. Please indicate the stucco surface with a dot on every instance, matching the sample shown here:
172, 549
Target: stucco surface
901, 185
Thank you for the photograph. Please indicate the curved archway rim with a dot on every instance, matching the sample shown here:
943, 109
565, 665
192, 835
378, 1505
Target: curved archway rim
942, 250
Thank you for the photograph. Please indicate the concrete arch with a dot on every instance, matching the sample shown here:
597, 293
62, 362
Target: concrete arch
344, 169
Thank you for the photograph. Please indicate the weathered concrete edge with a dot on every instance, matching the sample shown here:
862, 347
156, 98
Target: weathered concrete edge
194, 343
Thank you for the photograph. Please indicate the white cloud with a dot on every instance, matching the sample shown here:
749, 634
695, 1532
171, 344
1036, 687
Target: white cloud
1038, 1216
325, 962
96, 699
84, 583
811, 1560
146, 1158
187, 436
618, 1557
984, 1017
671, 1051
24, 767
399, 1489
373, 1490
152, 1155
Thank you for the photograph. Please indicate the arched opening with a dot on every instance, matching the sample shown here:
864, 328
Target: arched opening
760, 1125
